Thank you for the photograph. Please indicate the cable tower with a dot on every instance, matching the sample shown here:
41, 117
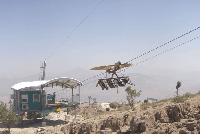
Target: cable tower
42, 70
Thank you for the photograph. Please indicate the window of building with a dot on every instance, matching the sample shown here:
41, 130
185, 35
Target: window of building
25, 106
36, 97
24, 98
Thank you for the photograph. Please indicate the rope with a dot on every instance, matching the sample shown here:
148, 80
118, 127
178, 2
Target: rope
150, 50
73, 31
157, 55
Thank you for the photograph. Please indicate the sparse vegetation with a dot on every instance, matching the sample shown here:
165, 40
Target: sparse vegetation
119, 109
187, 95
112, 105
179, 99
145, 100
145, 105
182, 98
127, 108
166, 100
7, 115
132, 94
177, 86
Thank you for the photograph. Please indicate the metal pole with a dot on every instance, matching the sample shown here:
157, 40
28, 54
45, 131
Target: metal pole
66, 95
79, 96
75, 112
72, 95
43, 103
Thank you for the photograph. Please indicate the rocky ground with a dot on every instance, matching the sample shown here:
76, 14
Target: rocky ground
160, 118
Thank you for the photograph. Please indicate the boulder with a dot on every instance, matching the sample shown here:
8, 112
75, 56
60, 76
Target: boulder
198, 127
198, 116
155, 132
178, 124
190, 126
182, 132
142, 126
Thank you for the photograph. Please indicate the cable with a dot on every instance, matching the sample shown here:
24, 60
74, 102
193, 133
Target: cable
151, 50
73, 31
165, 44
165, 51
157, 55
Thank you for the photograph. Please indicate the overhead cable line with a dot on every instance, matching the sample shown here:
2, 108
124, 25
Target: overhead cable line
150, 50
164, 44
73, 30
157, 54
164, 51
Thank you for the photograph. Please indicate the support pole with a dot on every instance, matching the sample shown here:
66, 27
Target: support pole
75, 112
43, 116
79, 96
43, 101
66, 95
43, 106
89, 99
72, 96
67, 110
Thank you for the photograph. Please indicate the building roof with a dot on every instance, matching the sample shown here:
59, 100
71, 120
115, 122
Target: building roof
63, 82
28, 85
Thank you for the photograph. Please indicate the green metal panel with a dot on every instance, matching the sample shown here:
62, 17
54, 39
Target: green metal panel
49, 96
47, 111
32, 105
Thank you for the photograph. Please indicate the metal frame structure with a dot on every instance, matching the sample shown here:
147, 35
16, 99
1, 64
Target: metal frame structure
63, 82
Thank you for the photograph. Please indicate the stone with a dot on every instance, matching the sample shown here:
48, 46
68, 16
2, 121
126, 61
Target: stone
178, 124
105, 132
134, 123
155, 132
198, 116
186, 117
198, 127
190, 126
182, 132
161, 132
40, 129
184, 121
191, 120
142, 127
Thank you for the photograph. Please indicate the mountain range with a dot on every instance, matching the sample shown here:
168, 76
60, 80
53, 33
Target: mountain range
152, 86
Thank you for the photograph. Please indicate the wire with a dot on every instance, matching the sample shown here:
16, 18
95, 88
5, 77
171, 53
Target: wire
157, 55
164, 44
73, 31
164, 51
151, 50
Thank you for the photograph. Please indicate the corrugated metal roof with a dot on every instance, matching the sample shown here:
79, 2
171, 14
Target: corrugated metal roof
63, 82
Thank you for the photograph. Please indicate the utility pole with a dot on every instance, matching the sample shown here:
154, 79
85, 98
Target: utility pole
42, 70
89, 99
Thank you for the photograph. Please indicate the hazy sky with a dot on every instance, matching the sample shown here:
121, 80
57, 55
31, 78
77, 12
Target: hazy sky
117, 30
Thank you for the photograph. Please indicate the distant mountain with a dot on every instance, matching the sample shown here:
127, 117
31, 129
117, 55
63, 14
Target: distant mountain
154, 86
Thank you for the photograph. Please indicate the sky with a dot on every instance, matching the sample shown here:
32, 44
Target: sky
93, 33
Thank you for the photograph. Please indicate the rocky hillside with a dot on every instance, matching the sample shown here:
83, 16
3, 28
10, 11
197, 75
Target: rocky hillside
160, 118
163, 117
